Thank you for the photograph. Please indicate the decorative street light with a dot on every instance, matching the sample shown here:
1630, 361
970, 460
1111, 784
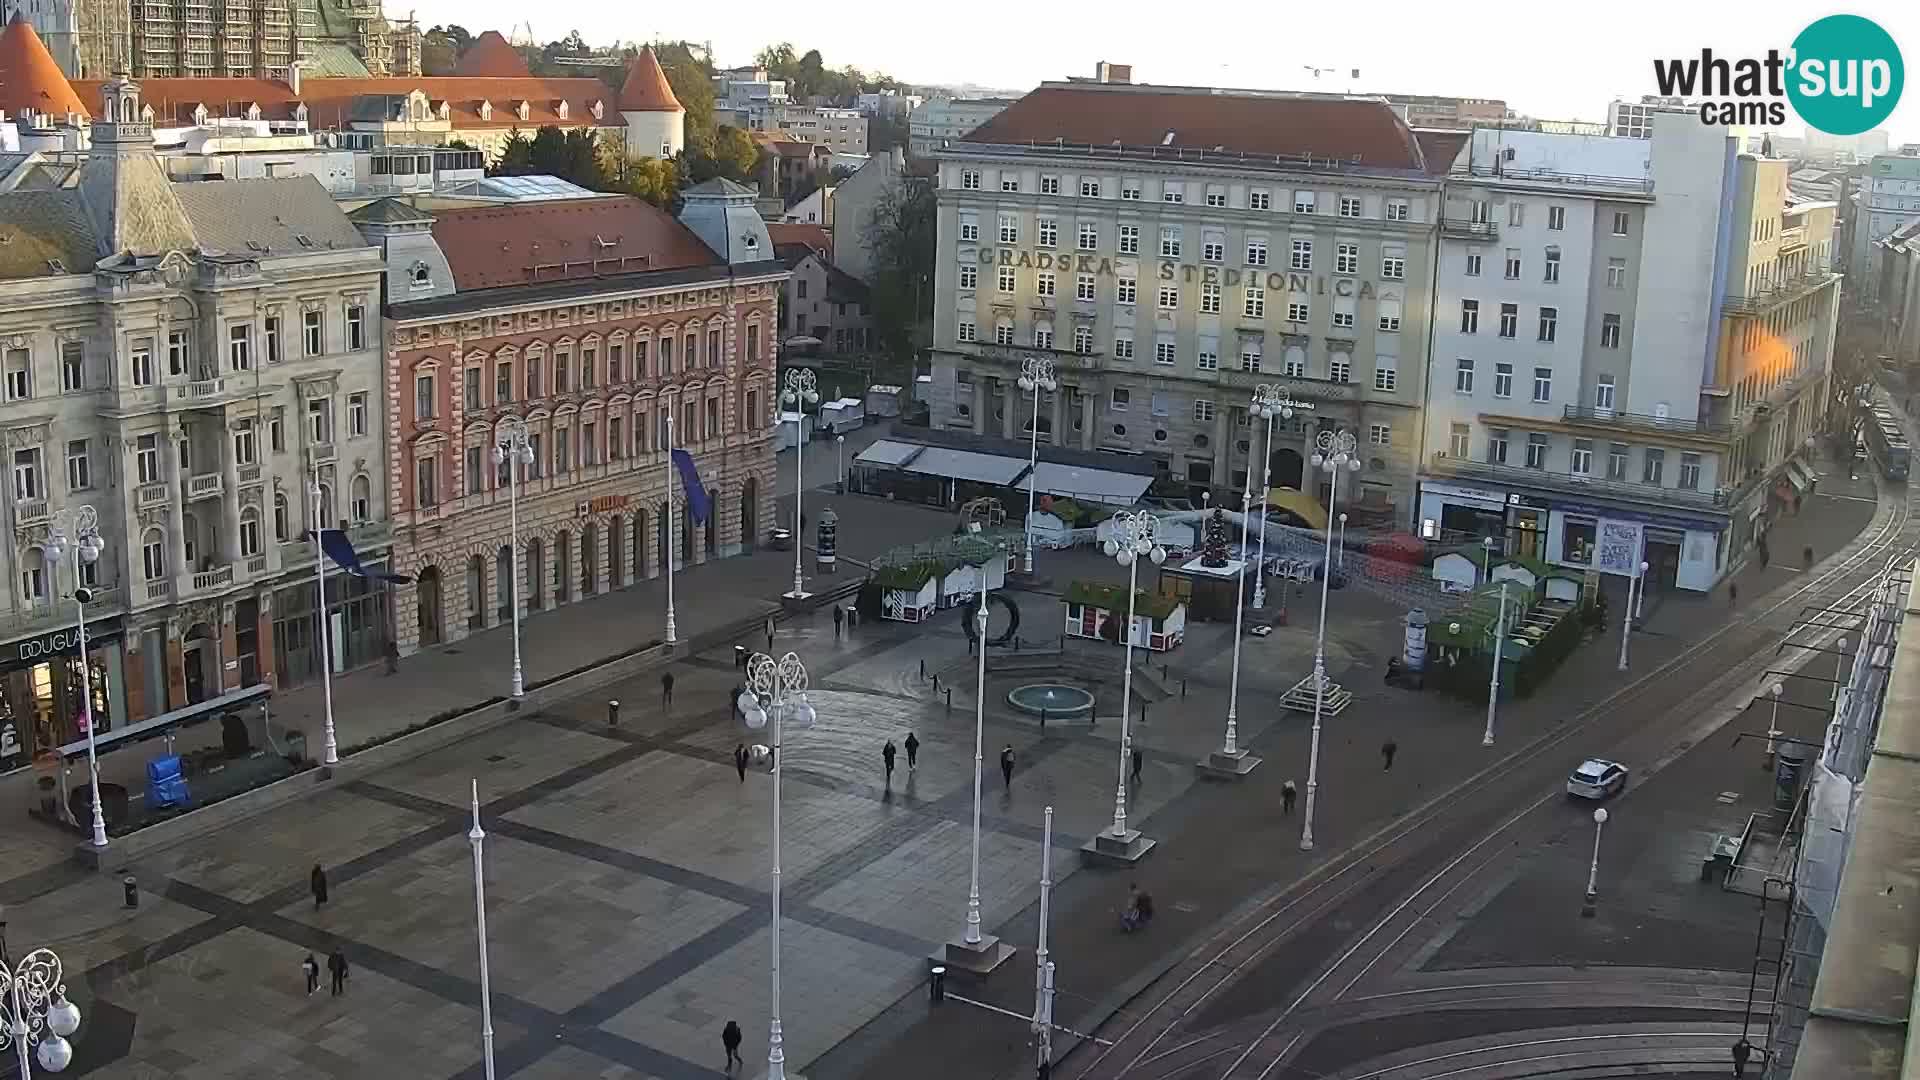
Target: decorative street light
1036, 374
1773, 724
1486, 560
34, 1006
1493, 686
1839, 666
478, 838
1270, 401
330, 755
1133, 536
673, 541
840, 464
1587, 907
76, 529
1042, 966
773, 687
514, 450
1626, 614
799, 392
982, 954
1335, 452
1230, 760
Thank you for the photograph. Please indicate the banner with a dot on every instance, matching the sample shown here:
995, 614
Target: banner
340, 550
697, 501
1617, 547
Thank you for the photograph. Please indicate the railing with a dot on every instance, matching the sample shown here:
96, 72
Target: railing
205, 485
147, 495
1063, 148
30, 512
200, 389
1810, 280
1442, 463
1474, 230
1669, 425
320, 453
249, 474
159, 590
257, 565
214, 578
1795, 237
1500, 170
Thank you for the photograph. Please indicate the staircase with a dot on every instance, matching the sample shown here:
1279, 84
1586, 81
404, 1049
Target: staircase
1303, 697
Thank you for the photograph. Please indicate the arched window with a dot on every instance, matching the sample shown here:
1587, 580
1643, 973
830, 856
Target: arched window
362, 499
282, 525
153, 554
250, 532
33, 575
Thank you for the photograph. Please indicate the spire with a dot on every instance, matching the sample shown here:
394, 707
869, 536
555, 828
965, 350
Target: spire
30, 81
646, 88
490, 57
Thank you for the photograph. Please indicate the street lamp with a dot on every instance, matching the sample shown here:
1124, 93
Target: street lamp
1626, 613
1493, 686
1343, 540
1773, 723
840, 464
331, 754
799, 392
76, 529
1230, 760
1486, 560
34, 1006
514, 450
1036, 374
1587, 906
1270, 401
773, 687
1839, 665
983, 953
673, 541
478, 838
1335, 452
1133, 536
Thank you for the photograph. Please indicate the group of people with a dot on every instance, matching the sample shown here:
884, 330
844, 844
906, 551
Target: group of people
336, 960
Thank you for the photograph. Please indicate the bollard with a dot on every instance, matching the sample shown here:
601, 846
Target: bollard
613, 713
923, 669
131, 889
937, 984
1183, 688
1043, 719
936, 682
949, 699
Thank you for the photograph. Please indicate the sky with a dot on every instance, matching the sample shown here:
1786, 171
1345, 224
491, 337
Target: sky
1547, 61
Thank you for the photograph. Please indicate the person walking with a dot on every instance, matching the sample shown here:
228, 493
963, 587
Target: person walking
1288, 793
311, 967
839, 618
1733, 594
730, 1038
887, 753
1766, 555
318, 882
666, 689
1806, 556
740, 758
769, 635
392, 653
1742, 1053
337, 967
1006, 766
1387, 750
913, 751
1138, 759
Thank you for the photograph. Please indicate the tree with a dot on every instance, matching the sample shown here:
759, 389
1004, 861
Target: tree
735, 156
901, 235
886, 130
441, 48
1213, 550
657, 180
550, 155
692, 80
516, 156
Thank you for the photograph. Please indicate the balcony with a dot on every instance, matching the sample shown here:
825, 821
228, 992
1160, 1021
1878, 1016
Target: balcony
256, 565
1464, 229
1302, 389
320, 453
205, 486
159, 590
249, 474
150, 495
1010, 357
1441, 464
30, 512
1613, 419
211, 391
1812, 280
216, 578
1793, 239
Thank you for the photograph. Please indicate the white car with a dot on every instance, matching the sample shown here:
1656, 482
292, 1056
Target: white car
1597, 778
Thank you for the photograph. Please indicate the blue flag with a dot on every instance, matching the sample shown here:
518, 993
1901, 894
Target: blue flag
339, 549
697, 500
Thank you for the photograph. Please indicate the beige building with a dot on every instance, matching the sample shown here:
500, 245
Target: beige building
203, 39
1439, 111
1172, 249
182, 359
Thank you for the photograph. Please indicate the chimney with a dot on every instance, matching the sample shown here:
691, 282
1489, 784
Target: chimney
293, 78
1112, 73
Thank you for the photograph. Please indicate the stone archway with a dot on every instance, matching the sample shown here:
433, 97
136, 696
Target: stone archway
427, 600
563, 567
476, 593
200, 662
749, 515
640, 544
616, 554
589, 559
1286, 468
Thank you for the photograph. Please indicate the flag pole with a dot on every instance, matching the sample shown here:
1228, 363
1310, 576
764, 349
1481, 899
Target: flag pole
672, 543
331, 753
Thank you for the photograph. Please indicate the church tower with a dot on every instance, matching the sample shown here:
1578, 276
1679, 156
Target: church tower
656, 121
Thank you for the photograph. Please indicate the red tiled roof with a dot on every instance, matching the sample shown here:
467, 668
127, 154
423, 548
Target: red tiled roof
815, 237
330, 102
29, 79
646, 88
491, 57
1439, 148
494, 246
1200, 119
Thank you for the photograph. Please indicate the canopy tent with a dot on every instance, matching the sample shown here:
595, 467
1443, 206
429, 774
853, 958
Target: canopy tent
966, 465
1089, 484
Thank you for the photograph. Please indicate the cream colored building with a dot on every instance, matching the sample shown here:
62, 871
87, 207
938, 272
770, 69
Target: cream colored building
1173, 248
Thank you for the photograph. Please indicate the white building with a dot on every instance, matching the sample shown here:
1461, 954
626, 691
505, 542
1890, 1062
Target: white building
1887, 200
1634, 119
844, 131
945, 119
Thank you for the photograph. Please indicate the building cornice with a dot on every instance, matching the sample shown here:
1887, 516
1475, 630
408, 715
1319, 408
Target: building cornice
533, 297
1223, 164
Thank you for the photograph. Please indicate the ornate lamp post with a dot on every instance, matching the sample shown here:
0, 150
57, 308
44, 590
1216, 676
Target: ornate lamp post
1493, 686
975, 952
330, 755
1270, 402
774, 687
1036, 374
1335, 452
799, 391
1132, 539
1773, 725
1588, 905
34, 1006
1626, 614
673, 541
515, 451
1230, 761
76, 530
478, 838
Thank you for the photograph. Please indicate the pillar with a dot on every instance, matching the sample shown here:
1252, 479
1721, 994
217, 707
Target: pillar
1086, 417
230, 499
263, 634
979, 406
1059, 416
229, 658
1222, 449
176, 514
176, 668
1009, 407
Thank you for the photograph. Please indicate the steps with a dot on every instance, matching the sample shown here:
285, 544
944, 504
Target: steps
1302, 698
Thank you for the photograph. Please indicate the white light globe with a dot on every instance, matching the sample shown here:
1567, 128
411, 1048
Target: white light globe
1125, 557
1353, 464
1600, 816
1110, 547
804, 715
63, 1017
760, 755
1158, 555
55, 1053
1318, 460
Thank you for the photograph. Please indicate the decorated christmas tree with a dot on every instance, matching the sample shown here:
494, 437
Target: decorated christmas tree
1213, 548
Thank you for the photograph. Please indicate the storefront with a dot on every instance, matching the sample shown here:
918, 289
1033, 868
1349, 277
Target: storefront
359, 629
1680, 553
1453, 513
40, 689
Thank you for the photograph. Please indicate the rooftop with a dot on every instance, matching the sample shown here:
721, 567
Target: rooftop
338, 103
646, 88
491, 57
498, 246
29, 79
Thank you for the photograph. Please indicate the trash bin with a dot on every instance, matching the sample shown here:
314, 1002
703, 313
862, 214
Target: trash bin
131, 889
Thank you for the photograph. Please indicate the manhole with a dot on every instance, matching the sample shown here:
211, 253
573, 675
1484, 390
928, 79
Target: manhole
496, 758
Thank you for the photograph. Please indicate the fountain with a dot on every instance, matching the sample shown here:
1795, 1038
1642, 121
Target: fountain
1054, 700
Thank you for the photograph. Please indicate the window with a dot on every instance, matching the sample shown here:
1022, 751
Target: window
153, 554
503, 382
969, 276
969, 233
1386, 373
616, 443
1620, 220
616, 358
1216, 195
1173, 191
177, 352
1083, 339
1122, 347
1509, 320
26, 475
1259, 199
426, 481
1346, 259
1690, 471
470, 389
1302, 255
1609, 331
1603, 395
1393, 265
245, 452
1251, 358
1043, 336
1459, 440
1398, 210
1380, 434
1003, 333
1549, 323
1043, 284
1158, 405
1556, 218
1165, 351
1297, 311
1130, 190
1542, 384
1616, 273
1089, 188
142, 362
1652, 465
311, 343
1581, 464
1503, 380
1049, 185
1513, 264
1553, 264
1006, 281
970, 179
1202, 412
963, 331
1390, 316
1083, 288
1343, 311
1009, 229
1516, 213
1049, 231
1126, 291
1617, 461
1170, 241
422, 398
1303, 202
1213, 247
79, 465
19, 375
1296, 366
1209, 298
1469, 316
1339, 368
146, 458
1170, 297
1120, 399
1349, 206
1089, 236
1129, 239
239, 347
73, 367
1463, 376
1209, 356
1536, 451
276, 432
320, 421
1497, 446
1256, 303
666, 357
356, 327
249, 532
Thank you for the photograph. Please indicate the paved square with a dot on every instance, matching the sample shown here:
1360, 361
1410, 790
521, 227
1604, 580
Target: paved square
502, 760
920, 887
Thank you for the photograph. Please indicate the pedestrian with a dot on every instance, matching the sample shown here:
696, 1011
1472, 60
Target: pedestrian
730, 1038
1006, 766
337, 967
1287, 794
887, 754
839, 618
666, 689
318, 881
312, 969
1742, 1052
740, 757
1766, 555
393, 658
913, 751
1796, 506
1387, 750
1138, 758
1733, 594
1806, 556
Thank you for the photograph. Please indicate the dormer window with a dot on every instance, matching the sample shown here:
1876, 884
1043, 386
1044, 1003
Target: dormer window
300, 112
561, 110
444, 111
253, 110
598, 109
486, 110
199, 115
146, 114
420, 276
523, 110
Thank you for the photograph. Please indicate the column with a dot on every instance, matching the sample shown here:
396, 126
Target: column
176, 510
979, 406
1059, 416
229, 497
1086, 417
1010, 405
1222, 449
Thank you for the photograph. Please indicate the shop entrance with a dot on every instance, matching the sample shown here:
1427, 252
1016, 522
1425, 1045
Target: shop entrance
1663, 558
1286, 468
199, 661
1526, 537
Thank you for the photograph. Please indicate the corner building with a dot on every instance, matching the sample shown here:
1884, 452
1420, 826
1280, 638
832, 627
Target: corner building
1171, 248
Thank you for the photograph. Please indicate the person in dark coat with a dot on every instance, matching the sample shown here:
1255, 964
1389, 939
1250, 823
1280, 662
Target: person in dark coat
1288, 793
666, 689
311, 967
337, 967
1139, 759
913, 751
1742, 1053
1387, 750
887, 753
1006, 766
839, 618
730, 1038
318, 882
740, 758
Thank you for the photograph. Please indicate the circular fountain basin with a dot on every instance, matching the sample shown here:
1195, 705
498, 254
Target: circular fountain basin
1053, 699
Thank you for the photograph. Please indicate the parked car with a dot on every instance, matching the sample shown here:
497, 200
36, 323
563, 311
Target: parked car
1597, 778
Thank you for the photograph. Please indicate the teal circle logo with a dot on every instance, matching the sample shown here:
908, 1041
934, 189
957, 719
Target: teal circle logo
1846, 75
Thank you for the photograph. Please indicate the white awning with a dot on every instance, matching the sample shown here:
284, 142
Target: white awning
887, 452
966, 465
1090, 484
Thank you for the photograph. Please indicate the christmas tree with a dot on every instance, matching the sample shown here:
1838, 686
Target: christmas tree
1213, 549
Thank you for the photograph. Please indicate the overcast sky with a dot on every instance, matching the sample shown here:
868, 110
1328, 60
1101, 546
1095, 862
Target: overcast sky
1543, 60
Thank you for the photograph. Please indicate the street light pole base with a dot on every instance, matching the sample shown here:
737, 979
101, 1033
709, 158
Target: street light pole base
1221, 765
796, 594
975, 959
1123, 850
1587, 906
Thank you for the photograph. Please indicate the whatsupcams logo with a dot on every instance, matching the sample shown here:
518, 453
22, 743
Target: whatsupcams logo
1843, 76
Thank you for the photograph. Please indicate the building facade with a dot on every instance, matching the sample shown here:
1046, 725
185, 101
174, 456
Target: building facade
944, 119
186, 360
672, 320
1170, 271
1434, 111
842, 131
1631, 343
1886, 200
1634, 119
202, 39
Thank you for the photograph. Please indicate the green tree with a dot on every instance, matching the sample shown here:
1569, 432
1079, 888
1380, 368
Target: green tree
902, 237
779, 60
584, 164
516, 156
441, 47
549, 153
735, 155
657, 180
